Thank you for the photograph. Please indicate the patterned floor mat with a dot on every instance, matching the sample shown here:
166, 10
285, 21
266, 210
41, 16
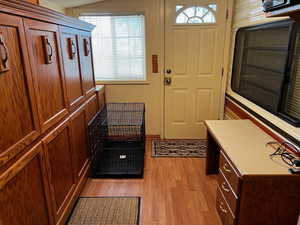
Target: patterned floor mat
179, 148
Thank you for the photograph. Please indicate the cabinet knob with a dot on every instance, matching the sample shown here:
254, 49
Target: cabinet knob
87, 47
3, 55
48, 50
72, 48
169, 71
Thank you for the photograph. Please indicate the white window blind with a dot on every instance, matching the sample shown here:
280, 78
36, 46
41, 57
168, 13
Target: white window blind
118, 47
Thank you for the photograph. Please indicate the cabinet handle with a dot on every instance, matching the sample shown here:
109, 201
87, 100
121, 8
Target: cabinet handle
226, 169
221, 206
4, 55
48, 50
224, 187
72, 48
87, 47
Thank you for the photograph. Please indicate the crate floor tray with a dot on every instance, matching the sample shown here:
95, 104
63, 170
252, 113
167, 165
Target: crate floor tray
120, 162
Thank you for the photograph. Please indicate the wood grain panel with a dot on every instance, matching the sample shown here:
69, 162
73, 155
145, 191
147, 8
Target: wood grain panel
91, 108
267, 197
48, 78
59, 162
79, 142
19, 119
86, 63
37, 2
71, 67
24, 191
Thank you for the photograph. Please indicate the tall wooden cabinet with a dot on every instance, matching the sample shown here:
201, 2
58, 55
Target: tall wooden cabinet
48, 97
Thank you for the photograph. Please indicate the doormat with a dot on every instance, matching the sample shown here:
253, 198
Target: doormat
106, 211
179, 148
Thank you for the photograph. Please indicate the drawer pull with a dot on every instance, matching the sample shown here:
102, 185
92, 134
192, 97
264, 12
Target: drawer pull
224, 187
226, 169
221, 206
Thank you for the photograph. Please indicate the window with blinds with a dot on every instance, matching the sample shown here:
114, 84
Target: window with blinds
118, 47
266, 68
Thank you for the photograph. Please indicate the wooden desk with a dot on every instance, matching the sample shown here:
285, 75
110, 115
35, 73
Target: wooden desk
253, 189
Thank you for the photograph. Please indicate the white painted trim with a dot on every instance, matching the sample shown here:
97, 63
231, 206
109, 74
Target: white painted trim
226, 59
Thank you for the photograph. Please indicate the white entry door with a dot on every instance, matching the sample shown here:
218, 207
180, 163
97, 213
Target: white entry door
195, 37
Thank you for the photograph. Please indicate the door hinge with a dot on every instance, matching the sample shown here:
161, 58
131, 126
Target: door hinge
222, 71
227, 14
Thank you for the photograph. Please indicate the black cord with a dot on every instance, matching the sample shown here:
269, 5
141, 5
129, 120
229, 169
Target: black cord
285, 155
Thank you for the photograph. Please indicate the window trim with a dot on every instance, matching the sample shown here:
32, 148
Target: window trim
146, 81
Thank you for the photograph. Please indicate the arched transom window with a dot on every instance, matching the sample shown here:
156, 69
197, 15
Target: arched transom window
196, 14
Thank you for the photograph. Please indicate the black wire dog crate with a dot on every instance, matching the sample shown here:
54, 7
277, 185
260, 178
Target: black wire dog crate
117, 140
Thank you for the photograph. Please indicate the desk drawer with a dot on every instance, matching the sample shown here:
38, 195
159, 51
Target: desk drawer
223, 209
227, 192
229, 172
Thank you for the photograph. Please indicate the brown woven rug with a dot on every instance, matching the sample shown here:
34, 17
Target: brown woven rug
179, 148
106, 211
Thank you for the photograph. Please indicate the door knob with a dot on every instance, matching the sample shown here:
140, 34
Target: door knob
168, 81
169, 71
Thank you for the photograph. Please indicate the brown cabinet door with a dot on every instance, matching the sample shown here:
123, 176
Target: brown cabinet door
91, 108
44, 52
79, 142
71, 67
86, 63
19, 120
59, 163
24, 191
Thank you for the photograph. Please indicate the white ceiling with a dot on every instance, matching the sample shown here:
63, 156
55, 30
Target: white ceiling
73, 3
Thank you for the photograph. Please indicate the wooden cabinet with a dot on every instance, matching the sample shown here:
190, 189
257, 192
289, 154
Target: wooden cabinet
46, 101
69, 43
91, 108
24, 191
86, 63
19, 120
252, 188
44, 51
58, 150
79, 143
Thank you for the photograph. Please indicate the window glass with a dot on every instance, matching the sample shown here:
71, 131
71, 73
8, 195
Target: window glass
118, 47
196, 15
266, 68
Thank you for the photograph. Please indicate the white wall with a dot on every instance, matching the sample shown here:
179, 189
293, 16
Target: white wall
51, 5
152, 92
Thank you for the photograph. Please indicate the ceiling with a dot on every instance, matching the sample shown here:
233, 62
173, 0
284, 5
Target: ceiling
73, 3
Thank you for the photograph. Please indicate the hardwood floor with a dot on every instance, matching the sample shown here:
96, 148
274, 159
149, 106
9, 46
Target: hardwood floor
174, 191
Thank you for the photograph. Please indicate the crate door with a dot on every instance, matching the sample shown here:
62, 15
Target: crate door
19, 119
44, 52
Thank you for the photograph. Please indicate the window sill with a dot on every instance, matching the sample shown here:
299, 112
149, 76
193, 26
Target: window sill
122, 82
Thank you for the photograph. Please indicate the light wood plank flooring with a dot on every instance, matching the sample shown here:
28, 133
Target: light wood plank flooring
174, 191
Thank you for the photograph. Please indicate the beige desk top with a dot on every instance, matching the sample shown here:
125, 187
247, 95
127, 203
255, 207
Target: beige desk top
245, 145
